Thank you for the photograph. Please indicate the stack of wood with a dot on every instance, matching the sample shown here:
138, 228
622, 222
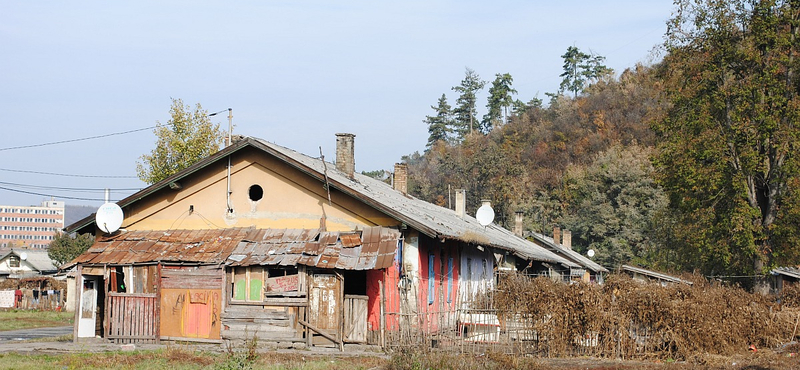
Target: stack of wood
244, 322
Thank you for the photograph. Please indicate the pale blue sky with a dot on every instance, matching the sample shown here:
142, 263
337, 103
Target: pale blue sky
294, 72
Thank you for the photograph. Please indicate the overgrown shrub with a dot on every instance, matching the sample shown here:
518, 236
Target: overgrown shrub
628, 319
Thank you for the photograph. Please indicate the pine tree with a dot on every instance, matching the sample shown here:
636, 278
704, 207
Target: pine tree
580, 69
465, 120
440, 124
499, 101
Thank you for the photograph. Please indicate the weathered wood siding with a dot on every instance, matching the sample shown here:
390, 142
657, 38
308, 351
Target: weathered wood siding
355, 318
273, 324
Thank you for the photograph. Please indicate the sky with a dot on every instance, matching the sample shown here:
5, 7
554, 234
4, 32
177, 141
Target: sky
294, 73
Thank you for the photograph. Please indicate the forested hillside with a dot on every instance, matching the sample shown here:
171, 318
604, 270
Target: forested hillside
581, 163
685, 165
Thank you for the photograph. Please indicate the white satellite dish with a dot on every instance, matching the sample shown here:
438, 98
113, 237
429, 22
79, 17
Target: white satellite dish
23, 256
485, 213
109, 217
590, 253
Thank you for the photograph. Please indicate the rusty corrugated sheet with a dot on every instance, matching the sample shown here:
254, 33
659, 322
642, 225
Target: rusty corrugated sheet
351, 240
372, 248
326, 249
193, 246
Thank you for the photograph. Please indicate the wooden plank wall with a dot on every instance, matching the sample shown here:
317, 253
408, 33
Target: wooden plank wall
191, 302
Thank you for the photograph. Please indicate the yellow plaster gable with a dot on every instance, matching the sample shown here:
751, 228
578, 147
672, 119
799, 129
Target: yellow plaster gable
291, 199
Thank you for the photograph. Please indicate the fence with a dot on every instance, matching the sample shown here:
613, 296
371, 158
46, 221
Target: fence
132, 318
32, 299
621, 319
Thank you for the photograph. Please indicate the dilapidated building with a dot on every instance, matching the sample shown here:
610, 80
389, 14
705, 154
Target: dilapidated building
260, 240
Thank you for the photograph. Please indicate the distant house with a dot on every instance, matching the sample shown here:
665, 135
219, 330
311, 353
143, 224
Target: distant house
24, 263
644, 275
258, 239
561, 245
783, 276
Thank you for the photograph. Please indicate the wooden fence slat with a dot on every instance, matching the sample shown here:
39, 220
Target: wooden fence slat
132, 318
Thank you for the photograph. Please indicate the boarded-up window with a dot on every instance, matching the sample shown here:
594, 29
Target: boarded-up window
248, 284
144, 279
256, 283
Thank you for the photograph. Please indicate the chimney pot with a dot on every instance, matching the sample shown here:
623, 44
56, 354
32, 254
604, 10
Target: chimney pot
567, 239
518, 224
400, 182
461, 202
557, 235
345, 154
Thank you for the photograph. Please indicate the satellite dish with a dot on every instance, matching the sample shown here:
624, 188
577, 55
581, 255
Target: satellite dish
23, 256
109, 217
590, 253
485, 213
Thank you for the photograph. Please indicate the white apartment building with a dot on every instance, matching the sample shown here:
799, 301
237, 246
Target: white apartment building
30, 227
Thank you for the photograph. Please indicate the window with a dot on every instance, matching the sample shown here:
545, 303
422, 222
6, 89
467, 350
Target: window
255, 193
13, 261
248, 284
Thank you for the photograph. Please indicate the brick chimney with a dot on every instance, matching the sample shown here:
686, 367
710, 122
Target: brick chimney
400, 182
567, 239
345, 154
461, 202
518, 224
557, 235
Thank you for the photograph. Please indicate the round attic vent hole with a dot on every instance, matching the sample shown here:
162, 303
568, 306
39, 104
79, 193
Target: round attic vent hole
255, 193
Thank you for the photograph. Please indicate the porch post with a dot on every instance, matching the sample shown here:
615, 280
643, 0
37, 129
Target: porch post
78, 299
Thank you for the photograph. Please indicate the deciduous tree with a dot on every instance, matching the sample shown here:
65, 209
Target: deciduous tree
186, 138
728, 144
65, 248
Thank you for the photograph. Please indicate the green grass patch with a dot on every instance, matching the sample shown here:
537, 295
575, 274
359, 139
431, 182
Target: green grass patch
24, 319
180, 358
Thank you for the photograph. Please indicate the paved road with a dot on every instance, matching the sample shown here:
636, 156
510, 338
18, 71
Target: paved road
24, 334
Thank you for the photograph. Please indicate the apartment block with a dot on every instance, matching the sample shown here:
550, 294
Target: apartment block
32, 226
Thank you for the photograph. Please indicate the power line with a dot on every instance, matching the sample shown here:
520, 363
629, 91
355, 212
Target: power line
69, 175
54, 196
74, 140
67, 189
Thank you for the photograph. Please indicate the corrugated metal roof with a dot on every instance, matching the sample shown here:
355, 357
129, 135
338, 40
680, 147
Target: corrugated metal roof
568, 253
428, 218
655, 275
432, 220
793, 272
248, 247
193, 246
352, 250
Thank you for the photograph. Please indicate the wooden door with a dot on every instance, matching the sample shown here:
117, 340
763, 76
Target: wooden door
324, 304
355, 318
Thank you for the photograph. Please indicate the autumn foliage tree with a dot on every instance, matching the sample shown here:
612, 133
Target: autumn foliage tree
728, 143
186, 138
